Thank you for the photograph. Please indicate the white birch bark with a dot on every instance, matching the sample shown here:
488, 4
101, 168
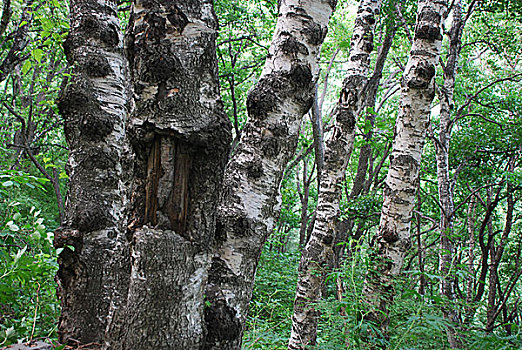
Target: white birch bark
445, 184
317, 257
94, 105
250, 202
180, 135
393, 237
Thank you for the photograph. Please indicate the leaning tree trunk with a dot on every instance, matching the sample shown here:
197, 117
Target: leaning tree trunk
276, 105
317, 257
393, 237
362, 179
180, 135
91, 275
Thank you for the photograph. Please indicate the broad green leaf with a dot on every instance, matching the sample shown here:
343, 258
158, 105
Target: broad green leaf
26, 67
37, 54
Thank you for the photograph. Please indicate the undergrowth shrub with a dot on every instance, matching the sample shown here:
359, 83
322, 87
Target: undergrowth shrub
28, 304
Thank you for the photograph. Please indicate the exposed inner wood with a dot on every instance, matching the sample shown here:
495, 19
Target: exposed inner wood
167, 186
151, 186
177, 205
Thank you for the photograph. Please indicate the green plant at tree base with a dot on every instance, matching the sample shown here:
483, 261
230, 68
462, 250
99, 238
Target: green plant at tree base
28, 305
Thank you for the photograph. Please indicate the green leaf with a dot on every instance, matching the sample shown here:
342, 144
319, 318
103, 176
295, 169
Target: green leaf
8, 183
27, 65
37, 54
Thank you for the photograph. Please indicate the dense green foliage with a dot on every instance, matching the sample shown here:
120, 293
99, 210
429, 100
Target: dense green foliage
485, 161
30, 128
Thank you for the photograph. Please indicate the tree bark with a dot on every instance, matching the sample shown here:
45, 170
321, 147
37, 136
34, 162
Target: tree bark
95, 108
393, 237
362, 181
247, 212
304, 195
180, 135
445, 184
317, 257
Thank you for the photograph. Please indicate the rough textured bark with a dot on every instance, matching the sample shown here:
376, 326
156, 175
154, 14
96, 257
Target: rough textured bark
180, 135
317, 257
393, 237
94, 106
362, 181
276, 105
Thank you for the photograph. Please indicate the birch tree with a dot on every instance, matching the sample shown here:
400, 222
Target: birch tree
95, 108
180, 136
317, 257
446, 184
393, 237
246, 215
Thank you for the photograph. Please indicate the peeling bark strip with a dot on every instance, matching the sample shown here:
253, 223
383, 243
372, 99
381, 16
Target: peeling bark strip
94, 106
393, 237
180, 135
248, 208
317, 257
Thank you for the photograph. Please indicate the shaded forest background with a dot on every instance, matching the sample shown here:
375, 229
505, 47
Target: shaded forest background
484, 159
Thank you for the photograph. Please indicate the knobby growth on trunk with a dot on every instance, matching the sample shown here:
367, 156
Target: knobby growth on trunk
95, 108
180, 136
139, 267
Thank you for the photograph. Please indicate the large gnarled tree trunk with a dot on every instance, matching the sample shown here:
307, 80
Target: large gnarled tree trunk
393, 238
250, 202
92, 270
317, 257
180, 135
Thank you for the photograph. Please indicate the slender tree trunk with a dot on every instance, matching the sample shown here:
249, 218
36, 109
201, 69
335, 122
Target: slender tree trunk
304, 195
20, 37
366, 154
94, 105
276, 105
180, 135
471, 256
496, 255
393, 236
317, 256
445, 185
420, 248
